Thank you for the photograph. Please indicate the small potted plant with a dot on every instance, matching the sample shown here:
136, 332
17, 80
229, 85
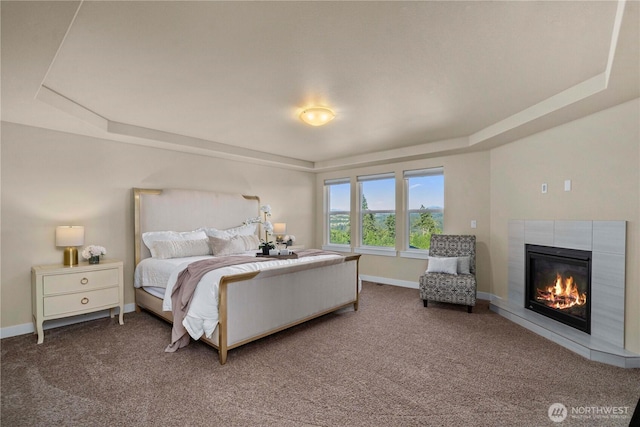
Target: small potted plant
92, 253
266, 246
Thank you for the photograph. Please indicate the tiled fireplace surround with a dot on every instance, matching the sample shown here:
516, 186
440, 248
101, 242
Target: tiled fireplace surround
607, 241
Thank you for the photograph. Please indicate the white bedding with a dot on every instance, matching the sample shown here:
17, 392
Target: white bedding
156, 292
154, 272
202, 317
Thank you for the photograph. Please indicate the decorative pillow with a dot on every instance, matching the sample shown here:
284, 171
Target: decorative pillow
164, 249
464, 263
443, 265
235, 245
243, 230
151, 236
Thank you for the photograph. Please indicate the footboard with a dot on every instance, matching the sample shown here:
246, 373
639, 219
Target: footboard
258, 304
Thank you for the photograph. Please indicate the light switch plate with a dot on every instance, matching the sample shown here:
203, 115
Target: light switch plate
567, 185
474, 224
544, 188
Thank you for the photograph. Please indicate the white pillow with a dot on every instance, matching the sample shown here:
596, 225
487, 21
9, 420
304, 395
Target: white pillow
243, 230
235, 245
164, 249
151, 236
464, 263
443, 265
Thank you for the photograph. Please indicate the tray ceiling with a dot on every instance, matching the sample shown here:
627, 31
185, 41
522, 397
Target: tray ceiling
406, 79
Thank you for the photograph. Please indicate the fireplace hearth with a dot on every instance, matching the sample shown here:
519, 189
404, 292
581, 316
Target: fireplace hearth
558, 284
606, 241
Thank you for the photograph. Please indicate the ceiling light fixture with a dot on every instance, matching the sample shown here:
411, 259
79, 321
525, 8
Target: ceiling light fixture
317, 116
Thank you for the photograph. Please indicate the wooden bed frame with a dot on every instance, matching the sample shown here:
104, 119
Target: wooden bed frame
251, 305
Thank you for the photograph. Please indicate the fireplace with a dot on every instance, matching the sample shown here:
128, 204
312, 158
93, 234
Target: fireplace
558, 284
606, 246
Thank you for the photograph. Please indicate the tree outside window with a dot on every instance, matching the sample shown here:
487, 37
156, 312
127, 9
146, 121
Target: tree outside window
377, 210
425, 205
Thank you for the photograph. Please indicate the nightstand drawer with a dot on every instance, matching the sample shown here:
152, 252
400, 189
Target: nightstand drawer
81, 301
73, 282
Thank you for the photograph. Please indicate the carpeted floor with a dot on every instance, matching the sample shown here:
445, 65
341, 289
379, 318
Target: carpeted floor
392, 363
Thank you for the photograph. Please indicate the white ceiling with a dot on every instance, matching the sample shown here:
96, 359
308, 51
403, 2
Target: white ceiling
406, 79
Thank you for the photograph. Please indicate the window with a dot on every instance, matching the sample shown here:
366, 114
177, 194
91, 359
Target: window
378, 210
338, 193
425, 206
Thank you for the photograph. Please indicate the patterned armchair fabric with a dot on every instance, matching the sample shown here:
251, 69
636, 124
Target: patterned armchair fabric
451, 288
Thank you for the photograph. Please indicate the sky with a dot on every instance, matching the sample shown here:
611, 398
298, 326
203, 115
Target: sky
425, 190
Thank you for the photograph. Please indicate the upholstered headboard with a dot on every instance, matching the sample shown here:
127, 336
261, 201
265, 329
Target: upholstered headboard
187, 210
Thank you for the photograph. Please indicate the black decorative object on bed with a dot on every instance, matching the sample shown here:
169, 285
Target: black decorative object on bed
288, 256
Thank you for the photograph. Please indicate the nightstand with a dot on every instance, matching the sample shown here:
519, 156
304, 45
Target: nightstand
59, 291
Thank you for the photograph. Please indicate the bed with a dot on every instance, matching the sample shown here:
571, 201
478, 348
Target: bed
236, 304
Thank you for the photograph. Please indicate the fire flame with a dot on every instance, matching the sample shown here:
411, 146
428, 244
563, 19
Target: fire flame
562, 295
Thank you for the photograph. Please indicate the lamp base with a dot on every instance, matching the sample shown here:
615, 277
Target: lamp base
70, 256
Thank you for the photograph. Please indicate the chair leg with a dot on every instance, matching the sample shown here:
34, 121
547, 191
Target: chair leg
469, 308
424, 302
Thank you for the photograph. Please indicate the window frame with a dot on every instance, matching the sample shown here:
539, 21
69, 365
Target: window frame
328, 245
371, 249
407, 251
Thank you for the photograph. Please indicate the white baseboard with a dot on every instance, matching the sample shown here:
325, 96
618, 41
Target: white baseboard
414, 285
387, 281
486, 296
27, 328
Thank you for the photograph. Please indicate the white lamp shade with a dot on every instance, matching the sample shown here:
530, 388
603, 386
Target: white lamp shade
317, 116
70, 235
279, 228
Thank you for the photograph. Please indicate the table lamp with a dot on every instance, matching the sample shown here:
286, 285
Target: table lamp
70, 236
279, 229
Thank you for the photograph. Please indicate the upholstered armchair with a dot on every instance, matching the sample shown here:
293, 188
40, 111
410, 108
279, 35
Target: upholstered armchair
448, 277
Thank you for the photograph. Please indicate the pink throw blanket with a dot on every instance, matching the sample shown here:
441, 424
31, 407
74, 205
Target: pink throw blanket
188, 280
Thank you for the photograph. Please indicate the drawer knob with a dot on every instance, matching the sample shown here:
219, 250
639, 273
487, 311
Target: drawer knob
84, 281
84, 300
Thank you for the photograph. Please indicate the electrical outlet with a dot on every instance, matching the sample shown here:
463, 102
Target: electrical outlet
474, 224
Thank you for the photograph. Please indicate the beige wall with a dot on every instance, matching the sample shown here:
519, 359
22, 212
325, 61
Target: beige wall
466, 198
51, 178
600, 154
